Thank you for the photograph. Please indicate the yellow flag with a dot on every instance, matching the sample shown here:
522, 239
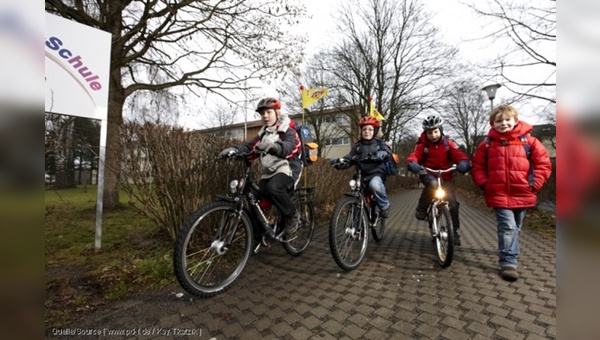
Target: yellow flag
309, 96
375, 114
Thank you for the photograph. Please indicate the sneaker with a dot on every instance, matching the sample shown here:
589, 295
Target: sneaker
291, 225
457, 239
421, 215
385, 213
509, 273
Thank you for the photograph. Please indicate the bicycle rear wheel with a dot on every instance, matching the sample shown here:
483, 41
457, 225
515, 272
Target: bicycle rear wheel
444, 240
300, 240
212, 249
348, 237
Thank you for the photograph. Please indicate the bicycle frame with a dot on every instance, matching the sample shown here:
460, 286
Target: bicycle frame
367, 203
438, 198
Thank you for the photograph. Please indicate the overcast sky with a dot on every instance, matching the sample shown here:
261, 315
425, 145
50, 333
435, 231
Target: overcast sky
459, 26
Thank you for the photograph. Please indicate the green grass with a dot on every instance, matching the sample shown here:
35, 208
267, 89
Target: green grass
134, 255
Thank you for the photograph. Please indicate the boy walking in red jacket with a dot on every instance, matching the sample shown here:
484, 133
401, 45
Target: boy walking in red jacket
438, 152
510, 166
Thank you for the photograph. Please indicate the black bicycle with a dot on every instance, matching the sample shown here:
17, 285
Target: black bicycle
215, 242
352, 217
440, 221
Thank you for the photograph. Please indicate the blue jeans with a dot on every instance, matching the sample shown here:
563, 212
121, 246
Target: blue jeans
509, 225
377, 187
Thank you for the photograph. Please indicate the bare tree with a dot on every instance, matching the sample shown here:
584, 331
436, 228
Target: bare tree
463, 109
392, 52
324, 125
530, 27
221, 114
203, 46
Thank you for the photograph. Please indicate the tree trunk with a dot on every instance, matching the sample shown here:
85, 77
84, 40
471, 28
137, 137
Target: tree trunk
112, 171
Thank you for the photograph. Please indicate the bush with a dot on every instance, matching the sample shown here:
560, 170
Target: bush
169, 173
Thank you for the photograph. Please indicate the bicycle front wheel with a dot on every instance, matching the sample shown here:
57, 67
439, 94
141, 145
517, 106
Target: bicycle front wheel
212, 249
444, 240
299, 241
348, 236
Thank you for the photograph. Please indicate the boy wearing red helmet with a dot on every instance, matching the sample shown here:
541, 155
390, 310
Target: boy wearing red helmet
436, 151
373, 174
280, 146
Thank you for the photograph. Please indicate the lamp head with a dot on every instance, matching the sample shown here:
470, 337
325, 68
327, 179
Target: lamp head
491, 90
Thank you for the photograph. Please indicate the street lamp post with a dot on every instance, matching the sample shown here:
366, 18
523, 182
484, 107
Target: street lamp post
491, 93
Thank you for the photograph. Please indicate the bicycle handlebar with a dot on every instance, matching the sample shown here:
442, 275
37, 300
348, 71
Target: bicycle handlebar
452, 168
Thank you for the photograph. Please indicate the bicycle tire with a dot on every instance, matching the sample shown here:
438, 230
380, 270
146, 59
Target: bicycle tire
348, 236
199, 267
300, 240
444, 241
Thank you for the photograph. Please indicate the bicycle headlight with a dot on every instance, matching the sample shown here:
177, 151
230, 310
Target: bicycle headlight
439, 193
352, 184
233, 186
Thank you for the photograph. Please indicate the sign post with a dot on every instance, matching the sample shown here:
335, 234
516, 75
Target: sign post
77, 59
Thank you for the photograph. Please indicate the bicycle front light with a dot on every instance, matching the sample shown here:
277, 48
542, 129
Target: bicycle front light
439, 193
352, 184
233, 186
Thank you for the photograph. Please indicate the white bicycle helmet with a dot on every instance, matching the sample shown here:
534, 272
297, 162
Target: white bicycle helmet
432, 122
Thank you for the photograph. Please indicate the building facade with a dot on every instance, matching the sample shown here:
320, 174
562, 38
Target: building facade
335, 129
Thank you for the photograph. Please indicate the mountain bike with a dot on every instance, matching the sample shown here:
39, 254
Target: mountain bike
440, 221
215, 242
352, 217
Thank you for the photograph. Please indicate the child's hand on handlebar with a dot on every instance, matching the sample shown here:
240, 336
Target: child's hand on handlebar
228, 152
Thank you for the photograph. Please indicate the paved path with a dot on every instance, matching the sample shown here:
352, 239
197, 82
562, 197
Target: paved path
398, 292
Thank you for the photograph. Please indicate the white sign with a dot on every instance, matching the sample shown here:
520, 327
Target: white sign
77, 68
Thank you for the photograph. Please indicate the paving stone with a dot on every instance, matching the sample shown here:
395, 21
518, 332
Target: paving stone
398, 292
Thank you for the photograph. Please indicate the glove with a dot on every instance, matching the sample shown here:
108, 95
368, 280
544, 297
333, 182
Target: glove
272, 148
381, 154
339, 163
463, 166
226, 153
414, 167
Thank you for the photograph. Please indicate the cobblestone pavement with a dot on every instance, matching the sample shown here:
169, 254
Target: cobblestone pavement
398, 292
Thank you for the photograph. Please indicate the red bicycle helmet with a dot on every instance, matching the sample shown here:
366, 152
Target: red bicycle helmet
268, 103
368, 120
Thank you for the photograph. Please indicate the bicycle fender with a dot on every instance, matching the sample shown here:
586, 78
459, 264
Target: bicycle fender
225, 198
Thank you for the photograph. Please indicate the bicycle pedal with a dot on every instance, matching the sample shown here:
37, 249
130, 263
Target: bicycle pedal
264, 241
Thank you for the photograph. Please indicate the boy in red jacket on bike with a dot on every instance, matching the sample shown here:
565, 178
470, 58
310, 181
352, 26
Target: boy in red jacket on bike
438, 152
510, 179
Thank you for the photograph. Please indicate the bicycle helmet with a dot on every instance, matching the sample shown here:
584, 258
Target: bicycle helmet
268, 103
368, 120
432, 122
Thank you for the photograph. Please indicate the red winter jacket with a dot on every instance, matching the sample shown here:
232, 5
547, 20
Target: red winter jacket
437, 156
506, 174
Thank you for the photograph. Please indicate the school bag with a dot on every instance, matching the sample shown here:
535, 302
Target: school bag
525, 142
309, 149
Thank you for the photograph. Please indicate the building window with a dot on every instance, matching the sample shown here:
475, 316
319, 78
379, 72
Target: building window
337, 141
336, 119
